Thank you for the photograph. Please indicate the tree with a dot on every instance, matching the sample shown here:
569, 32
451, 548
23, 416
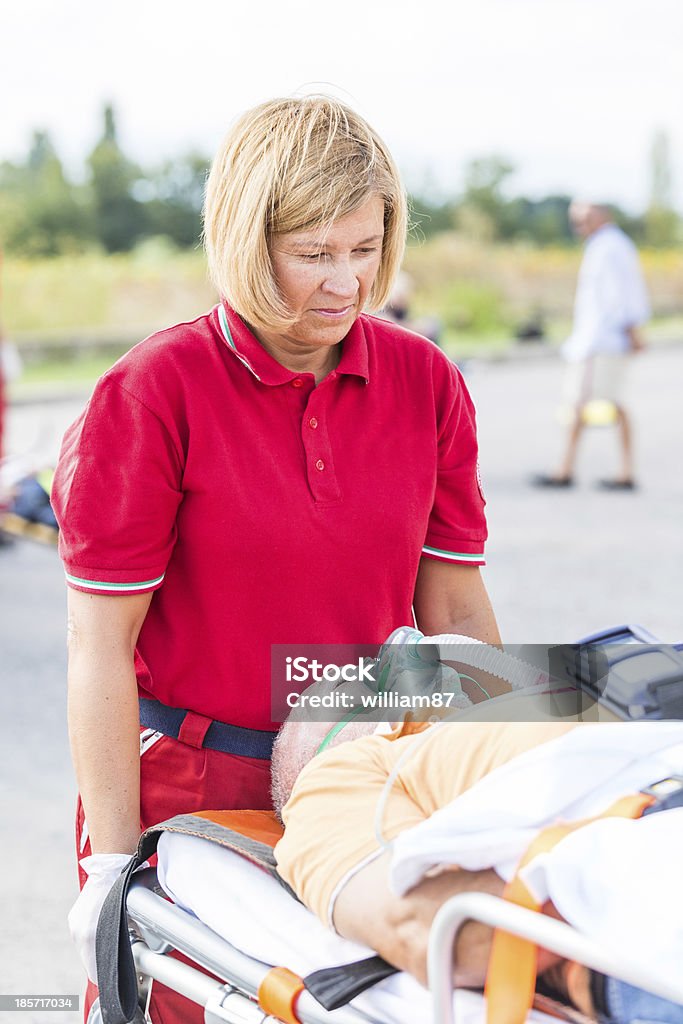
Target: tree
42, 213
119, 216
661, 220
177, 196
544, 221
481, 211
429, 216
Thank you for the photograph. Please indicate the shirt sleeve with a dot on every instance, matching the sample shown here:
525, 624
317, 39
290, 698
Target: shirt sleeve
616, 288
635, 306
115, 494
456, 530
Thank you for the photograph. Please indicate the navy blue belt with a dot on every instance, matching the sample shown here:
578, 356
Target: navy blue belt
229, 739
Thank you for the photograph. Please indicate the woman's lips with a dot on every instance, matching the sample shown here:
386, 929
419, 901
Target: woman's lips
333, 314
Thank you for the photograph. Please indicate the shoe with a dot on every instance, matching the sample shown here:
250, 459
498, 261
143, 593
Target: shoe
617, 485
546, 480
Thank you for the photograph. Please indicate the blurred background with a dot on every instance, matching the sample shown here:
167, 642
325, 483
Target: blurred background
498, 113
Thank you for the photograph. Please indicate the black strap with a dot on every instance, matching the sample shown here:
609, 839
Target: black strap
336, 986
116, 975
228, 739
598, 994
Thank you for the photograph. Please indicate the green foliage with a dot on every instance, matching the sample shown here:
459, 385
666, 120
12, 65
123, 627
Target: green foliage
544, 221
41, 213
428, 218
176, 197
480, 294
480, 213
662, 226
119, 216
474, 307
91, 294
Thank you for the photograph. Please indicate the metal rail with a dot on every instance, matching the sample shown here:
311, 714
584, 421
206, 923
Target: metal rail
164, 925
547, 932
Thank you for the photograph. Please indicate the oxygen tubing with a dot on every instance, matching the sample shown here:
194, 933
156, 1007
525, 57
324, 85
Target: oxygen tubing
513, 670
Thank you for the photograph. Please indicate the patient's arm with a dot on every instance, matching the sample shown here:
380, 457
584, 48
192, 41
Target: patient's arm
366, 911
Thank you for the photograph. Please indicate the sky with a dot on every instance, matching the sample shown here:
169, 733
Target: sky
571, 92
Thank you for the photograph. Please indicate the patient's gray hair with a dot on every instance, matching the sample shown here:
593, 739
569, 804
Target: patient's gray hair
296, 744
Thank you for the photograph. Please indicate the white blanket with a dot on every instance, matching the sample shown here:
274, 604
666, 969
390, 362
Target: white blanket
250, 910
617, 880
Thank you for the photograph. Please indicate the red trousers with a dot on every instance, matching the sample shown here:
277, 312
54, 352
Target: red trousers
176, 777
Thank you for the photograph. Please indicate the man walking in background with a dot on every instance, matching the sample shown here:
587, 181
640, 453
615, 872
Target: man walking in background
610, 305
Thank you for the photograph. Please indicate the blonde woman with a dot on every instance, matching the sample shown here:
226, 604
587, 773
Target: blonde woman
284, 469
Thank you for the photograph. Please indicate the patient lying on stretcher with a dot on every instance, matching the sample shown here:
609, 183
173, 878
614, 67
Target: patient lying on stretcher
333, 858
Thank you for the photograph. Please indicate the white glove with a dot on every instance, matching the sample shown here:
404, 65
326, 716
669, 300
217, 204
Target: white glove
102, 870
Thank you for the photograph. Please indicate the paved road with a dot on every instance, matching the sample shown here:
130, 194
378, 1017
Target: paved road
560, 565
37, 794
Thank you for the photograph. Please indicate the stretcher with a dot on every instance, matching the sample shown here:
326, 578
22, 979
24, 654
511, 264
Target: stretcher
263, 950
233, 918
158, 926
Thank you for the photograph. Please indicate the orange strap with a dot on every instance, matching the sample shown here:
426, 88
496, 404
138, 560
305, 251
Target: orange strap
278, 994
511, 975
263, 826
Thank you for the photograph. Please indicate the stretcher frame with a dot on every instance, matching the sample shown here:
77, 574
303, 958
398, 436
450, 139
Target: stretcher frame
157, 926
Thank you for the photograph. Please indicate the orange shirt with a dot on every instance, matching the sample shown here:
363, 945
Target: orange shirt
330, 819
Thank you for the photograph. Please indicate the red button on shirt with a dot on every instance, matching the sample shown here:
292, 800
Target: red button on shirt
184, 476
313, 423
320, 465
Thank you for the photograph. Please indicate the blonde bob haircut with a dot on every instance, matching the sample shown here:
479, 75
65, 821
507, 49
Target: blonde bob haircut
288, 165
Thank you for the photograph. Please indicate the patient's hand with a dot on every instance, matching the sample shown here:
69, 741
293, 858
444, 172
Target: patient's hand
366, 911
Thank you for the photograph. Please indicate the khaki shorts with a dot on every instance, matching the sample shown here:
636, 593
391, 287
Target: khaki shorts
597, 378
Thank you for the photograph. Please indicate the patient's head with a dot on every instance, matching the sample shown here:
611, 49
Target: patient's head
297, 743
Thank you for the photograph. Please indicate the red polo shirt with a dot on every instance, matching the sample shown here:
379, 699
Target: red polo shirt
263, 509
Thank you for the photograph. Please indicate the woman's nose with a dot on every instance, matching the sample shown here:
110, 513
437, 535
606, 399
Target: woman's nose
341, 281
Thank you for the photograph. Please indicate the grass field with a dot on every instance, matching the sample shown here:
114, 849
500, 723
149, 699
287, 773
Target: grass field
55, 309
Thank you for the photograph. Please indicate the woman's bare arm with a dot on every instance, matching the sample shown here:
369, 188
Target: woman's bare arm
103, 714
452, 598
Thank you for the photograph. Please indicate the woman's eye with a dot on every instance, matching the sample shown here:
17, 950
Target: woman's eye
312, 257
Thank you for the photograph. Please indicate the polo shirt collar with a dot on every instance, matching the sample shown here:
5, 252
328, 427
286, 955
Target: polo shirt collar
251, 353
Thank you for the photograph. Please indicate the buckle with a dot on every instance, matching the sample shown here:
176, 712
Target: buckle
667, 793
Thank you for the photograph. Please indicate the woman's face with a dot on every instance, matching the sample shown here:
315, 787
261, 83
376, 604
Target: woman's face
325, 274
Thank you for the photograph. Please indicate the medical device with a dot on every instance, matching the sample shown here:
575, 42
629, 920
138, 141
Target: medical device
426, 651
628, 670
414, 665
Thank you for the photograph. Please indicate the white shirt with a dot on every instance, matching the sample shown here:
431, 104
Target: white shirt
610, 296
